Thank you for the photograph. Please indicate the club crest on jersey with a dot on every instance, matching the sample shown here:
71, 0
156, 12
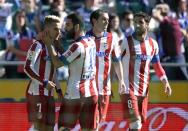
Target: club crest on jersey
31, 55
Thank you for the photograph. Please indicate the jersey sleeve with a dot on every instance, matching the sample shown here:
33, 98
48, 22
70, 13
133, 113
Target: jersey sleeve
71, 54
156, 63
30, 63
155, 58
116, 49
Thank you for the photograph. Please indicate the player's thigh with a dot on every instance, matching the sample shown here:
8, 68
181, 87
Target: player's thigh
36, 108
69, 113
89, 117
103, 106
130, 107
50, 113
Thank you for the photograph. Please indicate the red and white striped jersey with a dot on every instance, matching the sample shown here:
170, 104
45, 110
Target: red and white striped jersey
136, 60
107, 49
80, 58
38, 67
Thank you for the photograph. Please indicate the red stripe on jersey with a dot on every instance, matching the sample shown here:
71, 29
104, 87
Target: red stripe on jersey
42, 66
97, 43
73, 47
91, 89
142, 69
28, 68
131, 64
82, 86
106, 60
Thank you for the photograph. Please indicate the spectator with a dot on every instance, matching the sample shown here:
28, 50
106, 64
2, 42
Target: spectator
32, 14
85, 11
182, 17
5, 22
127, 22
171, 35
18, 42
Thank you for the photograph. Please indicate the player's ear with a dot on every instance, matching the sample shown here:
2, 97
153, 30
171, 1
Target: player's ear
77, 27
46, 31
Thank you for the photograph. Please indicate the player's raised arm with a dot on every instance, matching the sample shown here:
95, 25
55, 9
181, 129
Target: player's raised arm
53, 54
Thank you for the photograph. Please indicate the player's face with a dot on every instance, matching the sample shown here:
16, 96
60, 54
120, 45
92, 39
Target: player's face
102, 22
140, 25
55, 30
115, 23
69, 29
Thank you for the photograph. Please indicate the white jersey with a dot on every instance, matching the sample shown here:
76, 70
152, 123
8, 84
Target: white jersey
5, 19
80, 58
136, 60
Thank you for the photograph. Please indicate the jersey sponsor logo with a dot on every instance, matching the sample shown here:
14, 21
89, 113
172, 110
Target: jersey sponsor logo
31, 55
143, 57
102, 54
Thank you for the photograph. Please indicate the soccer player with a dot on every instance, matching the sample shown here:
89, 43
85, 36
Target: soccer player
81, 98
39, 93
107, 50
138, 51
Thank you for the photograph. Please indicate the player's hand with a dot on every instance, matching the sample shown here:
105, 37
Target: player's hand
50, 85
168, 89
101, 99
47, 39
122, 87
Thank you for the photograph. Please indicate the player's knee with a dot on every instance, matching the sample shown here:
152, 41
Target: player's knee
63, 129
136, 125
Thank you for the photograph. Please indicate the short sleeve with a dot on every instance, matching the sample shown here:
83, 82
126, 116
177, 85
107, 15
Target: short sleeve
71, 54
156, 53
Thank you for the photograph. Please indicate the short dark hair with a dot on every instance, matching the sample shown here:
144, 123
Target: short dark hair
96, 14
143, 15
76, 19
125, 13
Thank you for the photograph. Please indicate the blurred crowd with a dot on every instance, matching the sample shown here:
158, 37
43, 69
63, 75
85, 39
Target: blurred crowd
21, 20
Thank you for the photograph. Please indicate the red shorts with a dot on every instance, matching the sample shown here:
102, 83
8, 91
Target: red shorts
134, 108
85, 110
103, 106
41, 109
